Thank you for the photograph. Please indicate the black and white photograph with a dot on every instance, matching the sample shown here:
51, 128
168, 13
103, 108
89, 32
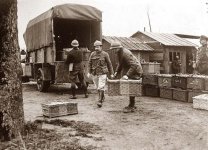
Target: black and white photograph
103, 75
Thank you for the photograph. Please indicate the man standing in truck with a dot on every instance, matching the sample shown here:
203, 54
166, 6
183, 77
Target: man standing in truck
76, 69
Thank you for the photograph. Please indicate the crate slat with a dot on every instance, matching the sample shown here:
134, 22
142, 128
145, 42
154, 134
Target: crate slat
180, 95
131, 87
195, 83
151, 90
150, 79
166, 93
114, 87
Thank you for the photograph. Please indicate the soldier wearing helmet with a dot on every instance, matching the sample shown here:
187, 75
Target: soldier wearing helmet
129, 67
74, 60
99, 66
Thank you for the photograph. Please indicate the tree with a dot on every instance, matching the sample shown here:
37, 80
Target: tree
11, 101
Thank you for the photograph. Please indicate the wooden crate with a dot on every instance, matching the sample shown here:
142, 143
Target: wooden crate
196, 82
114, 87
200, 102
192, 93
56, 109
131, 87
179, 81
180, 95
150, 79
151, 67
165, 80
151, 90
166, 93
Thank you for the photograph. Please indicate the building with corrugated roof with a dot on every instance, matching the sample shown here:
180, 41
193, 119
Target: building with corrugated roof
166, 48
139, 49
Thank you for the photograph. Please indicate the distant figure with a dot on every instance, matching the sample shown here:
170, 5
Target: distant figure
76, 69
129, 67
202, 56
99, 66
176, 65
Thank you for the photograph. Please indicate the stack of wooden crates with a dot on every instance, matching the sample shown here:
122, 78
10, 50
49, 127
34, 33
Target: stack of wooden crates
182, 87
150, 85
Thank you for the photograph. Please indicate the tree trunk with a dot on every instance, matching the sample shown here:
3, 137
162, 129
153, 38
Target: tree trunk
11, 102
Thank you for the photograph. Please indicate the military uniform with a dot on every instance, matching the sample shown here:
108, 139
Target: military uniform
128, 64
99, 66
75, 57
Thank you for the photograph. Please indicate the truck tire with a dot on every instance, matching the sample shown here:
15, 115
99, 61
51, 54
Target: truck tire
42, 84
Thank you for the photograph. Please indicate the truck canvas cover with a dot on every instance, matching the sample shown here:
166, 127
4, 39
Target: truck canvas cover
39, 30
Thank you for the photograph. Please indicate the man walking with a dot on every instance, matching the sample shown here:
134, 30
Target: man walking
99, 66
74, 60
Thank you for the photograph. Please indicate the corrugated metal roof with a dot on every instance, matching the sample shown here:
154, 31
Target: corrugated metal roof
169, 39
129, 43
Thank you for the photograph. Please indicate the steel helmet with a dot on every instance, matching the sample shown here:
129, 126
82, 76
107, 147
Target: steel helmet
75, 43
97, 43
116, 44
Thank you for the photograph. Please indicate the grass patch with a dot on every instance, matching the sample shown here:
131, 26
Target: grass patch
47, 139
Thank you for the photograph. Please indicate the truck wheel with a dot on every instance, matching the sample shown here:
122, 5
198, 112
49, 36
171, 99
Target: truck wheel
41, 84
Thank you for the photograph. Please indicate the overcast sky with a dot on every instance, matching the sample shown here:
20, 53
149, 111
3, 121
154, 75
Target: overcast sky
125, 17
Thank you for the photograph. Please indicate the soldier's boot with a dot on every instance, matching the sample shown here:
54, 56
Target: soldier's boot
131, 107
73, 91
86, 92
99, 104
102, 96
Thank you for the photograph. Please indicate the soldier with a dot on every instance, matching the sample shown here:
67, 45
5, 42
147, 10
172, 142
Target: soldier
176, 65
202, 56
129, 67
74, 60
99, 66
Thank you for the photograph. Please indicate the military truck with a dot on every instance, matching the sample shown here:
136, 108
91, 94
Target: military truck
48, 39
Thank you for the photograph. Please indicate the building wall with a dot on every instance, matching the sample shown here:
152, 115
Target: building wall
140, 55
161, 53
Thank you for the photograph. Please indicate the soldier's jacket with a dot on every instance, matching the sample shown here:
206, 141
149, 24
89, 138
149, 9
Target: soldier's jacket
202, 60
128, 64
99, 63
75, 56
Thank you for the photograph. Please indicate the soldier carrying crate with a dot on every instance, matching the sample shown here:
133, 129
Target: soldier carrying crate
129, 67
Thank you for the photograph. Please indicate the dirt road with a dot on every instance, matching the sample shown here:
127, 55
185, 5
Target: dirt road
157, 123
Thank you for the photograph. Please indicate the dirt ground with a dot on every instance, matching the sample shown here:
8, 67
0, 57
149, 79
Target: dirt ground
157, 124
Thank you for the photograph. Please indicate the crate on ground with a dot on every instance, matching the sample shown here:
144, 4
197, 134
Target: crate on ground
131, 87
151, 67
151, 90
196, 82
180, 95
180, 81
114, 87
192, 93
200, 102
165, 80
150, 79
166, 93
56, 109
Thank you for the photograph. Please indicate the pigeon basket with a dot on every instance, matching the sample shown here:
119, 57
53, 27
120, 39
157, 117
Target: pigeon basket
56, 109
125, 87
131, 87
